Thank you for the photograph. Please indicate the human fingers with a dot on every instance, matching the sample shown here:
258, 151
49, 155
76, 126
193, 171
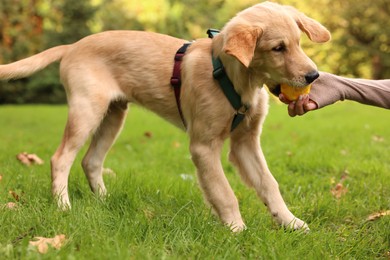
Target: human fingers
310, 105
299, 105
284, 99
291, 109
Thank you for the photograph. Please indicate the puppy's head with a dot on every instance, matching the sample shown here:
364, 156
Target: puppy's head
265, 40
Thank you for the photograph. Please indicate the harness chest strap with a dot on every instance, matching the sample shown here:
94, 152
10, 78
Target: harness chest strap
227, 87
219, 74
176, 78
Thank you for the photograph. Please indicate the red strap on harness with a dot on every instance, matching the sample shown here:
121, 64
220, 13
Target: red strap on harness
176, 78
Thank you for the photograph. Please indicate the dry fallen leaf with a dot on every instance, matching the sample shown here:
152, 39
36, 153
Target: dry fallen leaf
377, 138
377, 215
42, 243
345, 175
29, 159
176, 144
23, 159
343, 152
148, 134
339, 190
15, 195
11, 205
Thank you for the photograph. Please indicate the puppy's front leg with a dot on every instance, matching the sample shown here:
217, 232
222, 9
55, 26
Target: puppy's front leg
247, 155
215, 186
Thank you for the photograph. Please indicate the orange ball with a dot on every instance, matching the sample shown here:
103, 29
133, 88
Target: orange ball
293, 93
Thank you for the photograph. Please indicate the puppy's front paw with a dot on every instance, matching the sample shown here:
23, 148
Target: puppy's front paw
63, 202
297, 224
236, 226
64, 206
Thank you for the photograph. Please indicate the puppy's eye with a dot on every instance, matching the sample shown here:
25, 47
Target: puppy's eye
279, 48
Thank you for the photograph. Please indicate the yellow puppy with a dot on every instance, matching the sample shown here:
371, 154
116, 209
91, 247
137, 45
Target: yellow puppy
104, 72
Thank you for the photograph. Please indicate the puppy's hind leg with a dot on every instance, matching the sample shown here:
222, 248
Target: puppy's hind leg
101, 143
85, 115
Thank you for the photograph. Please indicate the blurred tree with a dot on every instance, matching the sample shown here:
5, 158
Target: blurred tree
188, 19
21, 28
67, 21
360, 45
366, 35
30, 26
19, 37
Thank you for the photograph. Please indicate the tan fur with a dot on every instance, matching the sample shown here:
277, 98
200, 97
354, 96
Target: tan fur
104, 72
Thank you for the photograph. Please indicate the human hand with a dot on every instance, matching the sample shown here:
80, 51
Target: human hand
299, 107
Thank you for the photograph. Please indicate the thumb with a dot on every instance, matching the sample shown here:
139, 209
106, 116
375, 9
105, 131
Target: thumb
311, 105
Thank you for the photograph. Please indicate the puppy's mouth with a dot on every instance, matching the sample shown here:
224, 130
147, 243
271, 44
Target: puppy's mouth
275, 89
274, 86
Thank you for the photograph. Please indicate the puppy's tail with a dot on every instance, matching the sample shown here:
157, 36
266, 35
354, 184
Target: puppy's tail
30, 65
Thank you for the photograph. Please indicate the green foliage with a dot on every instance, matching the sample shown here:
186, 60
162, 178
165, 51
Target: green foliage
71, 18
184, 19
360, 30
32, 26
20, 29
153, 213
360, 45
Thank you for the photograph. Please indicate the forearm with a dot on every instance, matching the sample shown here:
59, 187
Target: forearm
329, 88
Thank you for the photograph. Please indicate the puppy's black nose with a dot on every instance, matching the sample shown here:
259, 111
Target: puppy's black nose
311, 76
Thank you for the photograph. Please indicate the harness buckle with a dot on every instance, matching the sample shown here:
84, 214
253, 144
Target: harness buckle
218, 72
175, 82
179, 56
243, 109
212, 32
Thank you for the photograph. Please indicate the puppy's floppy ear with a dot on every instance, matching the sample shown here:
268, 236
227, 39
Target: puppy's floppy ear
240, 42
313, 29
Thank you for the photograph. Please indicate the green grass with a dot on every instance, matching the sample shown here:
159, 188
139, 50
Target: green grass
152, 212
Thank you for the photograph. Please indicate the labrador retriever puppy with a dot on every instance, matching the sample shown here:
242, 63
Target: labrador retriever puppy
104, 72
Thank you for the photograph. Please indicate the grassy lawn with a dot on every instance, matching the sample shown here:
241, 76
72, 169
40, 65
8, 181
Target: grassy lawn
155, 209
